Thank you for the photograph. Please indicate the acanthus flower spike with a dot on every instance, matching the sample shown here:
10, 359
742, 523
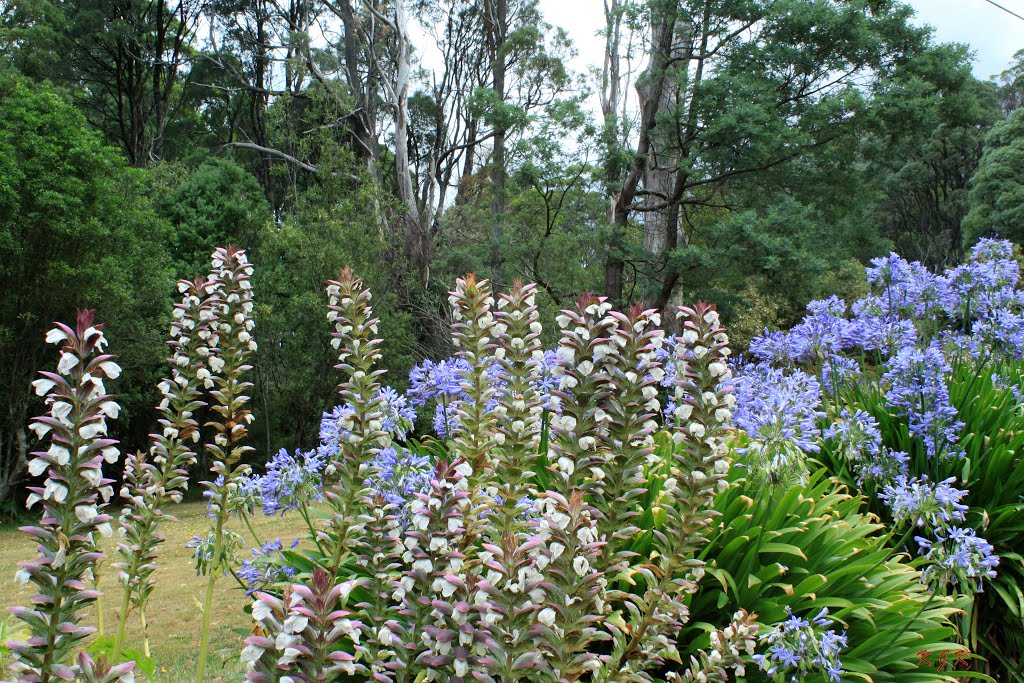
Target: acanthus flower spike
232, 322
354, 336
73, 497
155, 479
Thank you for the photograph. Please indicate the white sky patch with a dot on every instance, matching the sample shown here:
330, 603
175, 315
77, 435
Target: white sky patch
993, 34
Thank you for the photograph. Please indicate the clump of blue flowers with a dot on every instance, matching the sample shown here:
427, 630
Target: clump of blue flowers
958, 556
923, 503
918, 391
778, 410
290, 481
798, 647
267, 567
441, 382
400, 474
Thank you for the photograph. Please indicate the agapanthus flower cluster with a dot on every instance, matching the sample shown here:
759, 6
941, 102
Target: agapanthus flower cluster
399, 474
823, 332
442, 383
856, 435
924, 504
799, 647
73, 496
546, 381
204, 555
917, 389
883, 468
267, 567
291, 480
908, 290
779, 410
960, 557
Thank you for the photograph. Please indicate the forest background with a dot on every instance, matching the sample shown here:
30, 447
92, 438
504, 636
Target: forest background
755, 153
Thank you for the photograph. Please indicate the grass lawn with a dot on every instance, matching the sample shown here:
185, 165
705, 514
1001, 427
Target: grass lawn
174, 608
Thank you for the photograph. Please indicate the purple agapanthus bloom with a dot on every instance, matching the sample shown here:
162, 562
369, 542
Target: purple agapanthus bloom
290, 480
883, 468
923, 503
399, 416
856, 435
1001, 330
908, 290
335, 429
441, 380
547, 381
918, 391
266, 568
798, 647
958, 556
986, 282
778, 409
776, 347
822, 334
400, 474
873, 330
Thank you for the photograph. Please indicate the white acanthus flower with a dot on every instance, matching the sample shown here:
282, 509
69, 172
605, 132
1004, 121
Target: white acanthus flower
55, 490
56, 336
86, 513
67, 362
261, 610
547, 616
111, 369
43, 386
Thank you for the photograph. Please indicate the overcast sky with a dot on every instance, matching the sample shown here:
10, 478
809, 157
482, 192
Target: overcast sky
993, 34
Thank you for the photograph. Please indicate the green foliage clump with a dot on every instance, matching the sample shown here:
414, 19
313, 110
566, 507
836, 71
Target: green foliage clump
997, 193
76, 230
809, 547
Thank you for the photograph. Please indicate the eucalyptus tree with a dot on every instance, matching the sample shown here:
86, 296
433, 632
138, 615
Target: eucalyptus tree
730, 89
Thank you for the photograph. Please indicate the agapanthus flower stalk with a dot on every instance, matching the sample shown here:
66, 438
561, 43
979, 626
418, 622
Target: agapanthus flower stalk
153, 480
73, 496
232, 321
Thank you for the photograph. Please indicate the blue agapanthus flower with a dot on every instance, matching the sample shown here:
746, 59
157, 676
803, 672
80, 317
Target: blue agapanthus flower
925, 504
917, 380
441, 381
958, 556
779, 410
400, 474
799, 647
291, 479
856, 435
399, 416
266, 567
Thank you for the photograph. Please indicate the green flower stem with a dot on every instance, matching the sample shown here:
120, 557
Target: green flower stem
122, 625
304, 511
218, 550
